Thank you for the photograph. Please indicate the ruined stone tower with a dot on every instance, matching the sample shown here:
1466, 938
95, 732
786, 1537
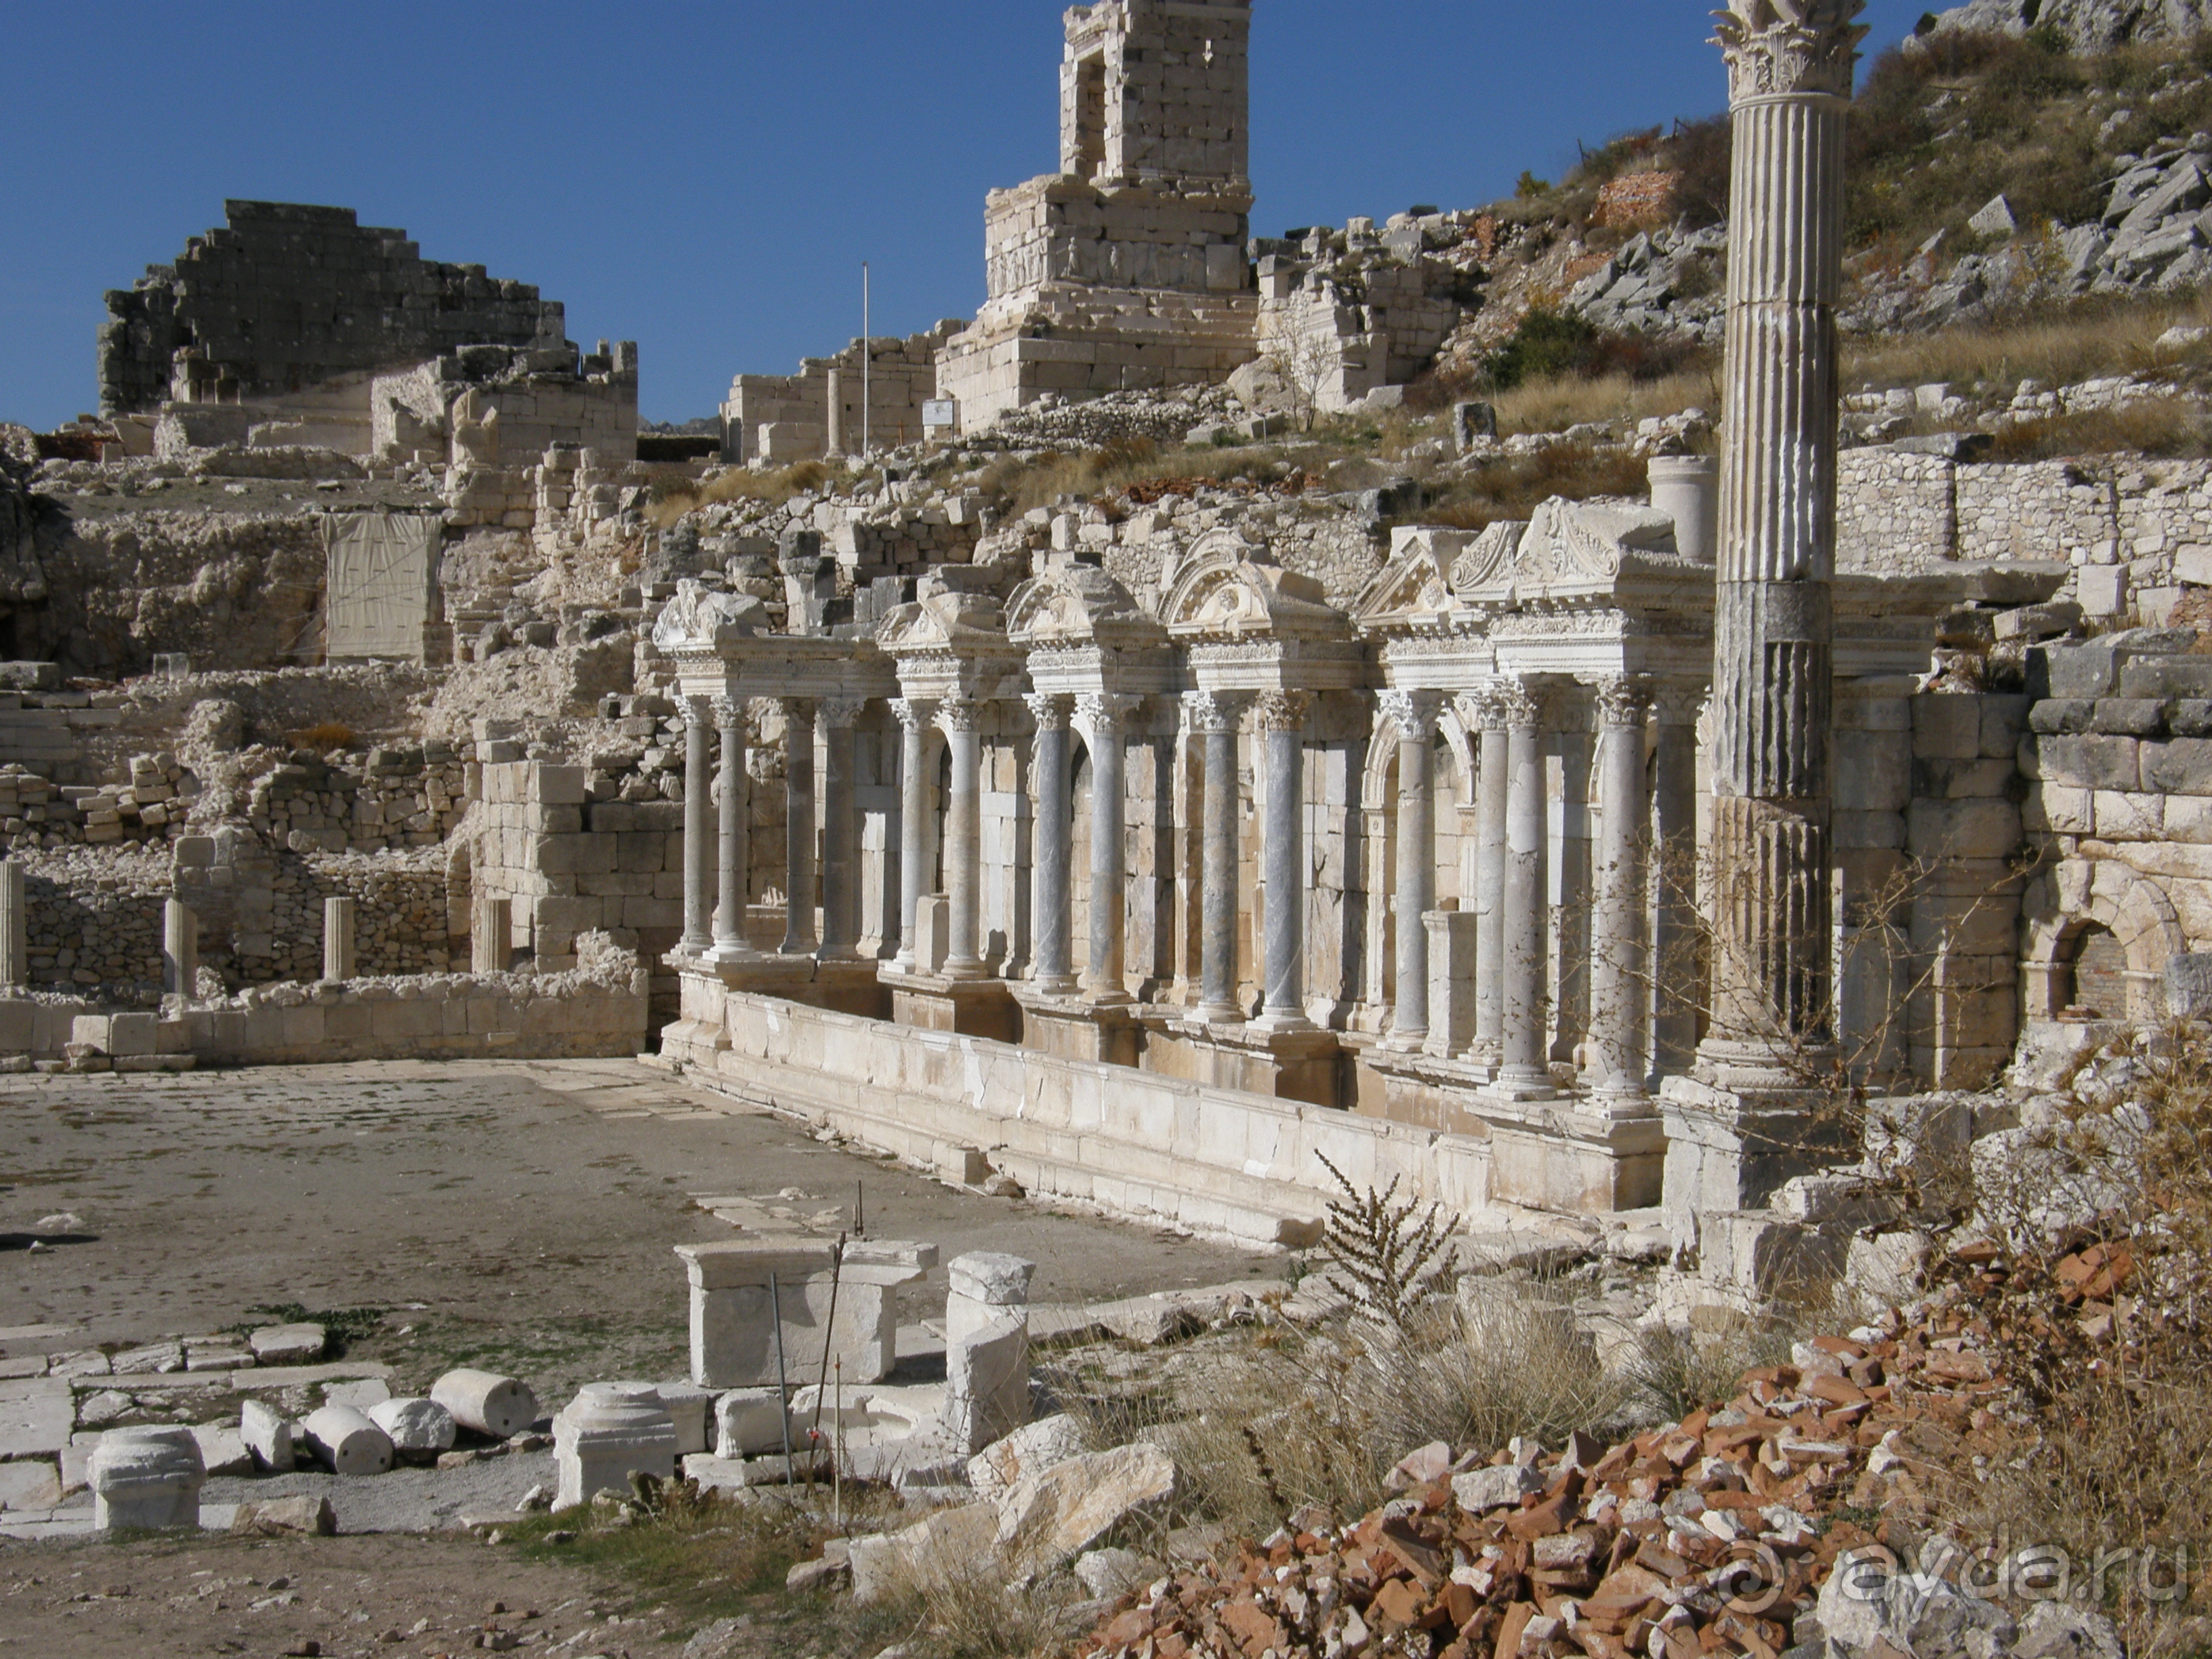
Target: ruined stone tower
1128, 269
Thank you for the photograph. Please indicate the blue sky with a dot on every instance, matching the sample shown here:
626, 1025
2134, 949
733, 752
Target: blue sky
706, 178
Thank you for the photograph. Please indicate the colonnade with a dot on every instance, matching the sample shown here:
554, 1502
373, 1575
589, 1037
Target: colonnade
1643, 787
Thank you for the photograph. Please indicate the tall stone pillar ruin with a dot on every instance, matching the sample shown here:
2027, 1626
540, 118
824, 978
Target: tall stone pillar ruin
1745, 1117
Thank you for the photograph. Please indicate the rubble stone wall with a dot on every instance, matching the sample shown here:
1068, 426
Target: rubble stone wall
96, 921
402, 914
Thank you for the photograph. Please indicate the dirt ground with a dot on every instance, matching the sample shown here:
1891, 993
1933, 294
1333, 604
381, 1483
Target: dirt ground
519, 1216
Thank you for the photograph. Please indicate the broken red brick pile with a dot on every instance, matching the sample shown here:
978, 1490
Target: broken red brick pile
1709, 1537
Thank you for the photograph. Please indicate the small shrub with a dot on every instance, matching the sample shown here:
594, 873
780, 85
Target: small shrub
1385, 1255
328, 736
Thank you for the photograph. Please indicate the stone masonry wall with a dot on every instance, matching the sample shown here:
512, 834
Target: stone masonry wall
285, 295
403, 914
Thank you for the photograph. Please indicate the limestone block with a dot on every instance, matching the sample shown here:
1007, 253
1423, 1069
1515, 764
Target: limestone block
950, 1543
748, 1423
734, 1335
1044, 1444
35, 1485
2183, 767
1967, 828
1946, 727
987, 1347
419, 1429
2090, 762
146, 1477
224, 1450
267, 1433
691, 1408
288, 1345
607, 1432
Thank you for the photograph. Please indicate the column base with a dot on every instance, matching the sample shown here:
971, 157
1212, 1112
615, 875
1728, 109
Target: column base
1281, 1024
1510, 1087
1406, 1042
1074, 1028
729, 953
978, 1007
1290, 1064
1730, 1149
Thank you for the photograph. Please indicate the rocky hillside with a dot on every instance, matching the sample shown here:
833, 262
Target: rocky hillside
2082, 25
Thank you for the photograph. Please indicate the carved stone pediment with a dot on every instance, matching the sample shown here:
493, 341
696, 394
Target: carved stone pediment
1077, 604
944, 624
1413, 592
1485, 570
1224, 589
701, 619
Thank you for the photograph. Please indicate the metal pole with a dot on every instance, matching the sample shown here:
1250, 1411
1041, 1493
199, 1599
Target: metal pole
782, 1379
867, 367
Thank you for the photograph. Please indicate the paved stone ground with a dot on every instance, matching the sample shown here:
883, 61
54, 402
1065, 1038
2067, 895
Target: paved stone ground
520, 1215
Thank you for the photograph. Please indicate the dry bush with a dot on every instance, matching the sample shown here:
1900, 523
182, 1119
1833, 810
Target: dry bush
2165, 426
1681, 1371
970, 1610
328, 736
803, 477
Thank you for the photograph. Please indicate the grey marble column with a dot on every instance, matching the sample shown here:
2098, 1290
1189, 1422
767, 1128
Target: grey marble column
1414, 714
698, 853
1055, 972
1791, 69
1281, 718
1522, 1068
1677, 962
1213, 718
798, 935
1103, 718
14, 925
963, 720
914, 718
181, 946
840, 848
1619, 990
729, 944
1486, 714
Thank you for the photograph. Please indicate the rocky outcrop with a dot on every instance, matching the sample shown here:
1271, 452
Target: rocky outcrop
22, 577
2088, 25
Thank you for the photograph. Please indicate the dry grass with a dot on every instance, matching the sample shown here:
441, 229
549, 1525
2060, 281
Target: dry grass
2076, 342
969, 1611
328, 737
802, 478
2167, 427
1512, 486
1556, 404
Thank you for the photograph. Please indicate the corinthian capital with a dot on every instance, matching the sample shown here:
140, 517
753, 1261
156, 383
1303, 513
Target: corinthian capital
1622, 700
1778, 48
1413, 713
1204, 711
1281, 711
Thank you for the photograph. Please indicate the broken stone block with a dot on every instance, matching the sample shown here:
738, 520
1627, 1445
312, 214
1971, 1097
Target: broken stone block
748, 1423
1043, 1444
949, 1543
345, 1442
1481, 1490
692, 1409
281, 1517
715, 1473
607, 1432
486, 1402
146, 1477
419, 1429
288, 1345
1051, 1517
222, 1449
1111, 1574
734, 1334
268, 1434
360, 1395
987, 1347
30, 1485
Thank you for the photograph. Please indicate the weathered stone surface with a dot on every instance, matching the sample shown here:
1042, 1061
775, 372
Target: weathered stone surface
748, 1423
486, 1402
345, 1442
281, 1517
288, 1345
419, 1429
1497, 1488
224, 1450
35, 1418
1042, 1445
1048, 1518
951, 1543
33, 1483
267, 1433
146, 1477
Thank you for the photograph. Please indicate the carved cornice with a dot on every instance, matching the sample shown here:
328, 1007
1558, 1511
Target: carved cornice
1790, 48
1281, 711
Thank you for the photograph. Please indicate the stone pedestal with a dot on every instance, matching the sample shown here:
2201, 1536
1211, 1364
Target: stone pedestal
147, 1478
609, 1430
1075, 1028
940, 1002
339, 950
986, 1348
733, 1334
1297, 1063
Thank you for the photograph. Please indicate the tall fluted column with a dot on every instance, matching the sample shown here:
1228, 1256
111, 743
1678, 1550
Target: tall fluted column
1281, 719
1790, 65
963, 720
914, 718
14, 925
1055, 842
1675, 956
698, 789
799, 936
841, 849
1414, 714
730, 943
1213, 718
1103, 718
1619, 993
1493, 769
1523, 1004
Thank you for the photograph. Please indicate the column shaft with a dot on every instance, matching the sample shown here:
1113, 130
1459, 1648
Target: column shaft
1619, 989
180, 948
1492, 781
1282, 849
913, 823
1522, 1063
14, 925
730, 943
339, 935
1676, 959
1415, 717
798, 935
698, 902
841, 886
1216, 722
963, 840
1056, 831
1103, 719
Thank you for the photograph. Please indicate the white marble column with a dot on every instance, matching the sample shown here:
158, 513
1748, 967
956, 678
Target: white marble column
1104, 717
339, 939
1414, 714
840, 850
1790, 71
1281, 719
698, 789
914, 718
181, 947
730, 943
1677, 960
1619, 991
798, 935
1493, 764
963, 720
14, 925
1212, 717
1524, 1004
1055, 972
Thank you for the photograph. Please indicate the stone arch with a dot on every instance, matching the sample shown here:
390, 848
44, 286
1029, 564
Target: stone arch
2080, 893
